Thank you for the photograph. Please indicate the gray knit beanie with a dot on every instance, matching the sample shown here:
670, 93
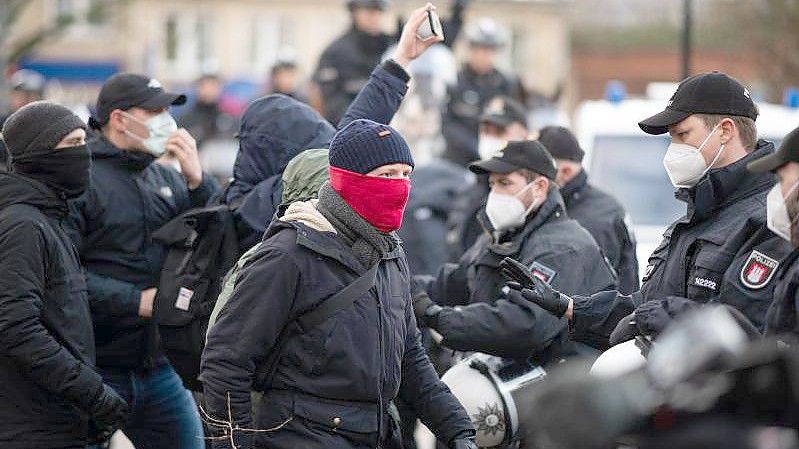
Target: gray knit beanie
37, 127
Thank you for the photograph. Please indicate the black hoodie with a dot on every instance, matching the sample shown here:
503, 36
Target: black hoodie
46, 338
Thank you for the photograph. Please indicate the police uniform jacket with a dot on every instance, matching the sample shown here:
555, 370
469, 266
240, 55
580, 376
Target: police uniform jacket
488, 317
602, 216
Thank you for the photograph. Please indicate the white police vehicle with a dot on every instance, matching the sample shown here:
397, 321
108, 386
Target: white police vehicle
628, 163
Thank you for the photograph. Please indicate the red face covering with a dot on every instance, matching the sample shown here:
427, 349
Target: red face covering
378, 200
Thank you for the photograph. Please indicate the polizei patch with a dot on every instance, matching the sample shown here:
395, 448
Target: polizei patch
543, 272
758, 270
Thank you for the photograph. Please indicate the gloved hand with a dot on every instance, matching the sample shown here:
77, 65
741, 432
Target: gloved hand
533, 289
463, 443
425, 309
517, 272
626, 329
421, 302
107, 411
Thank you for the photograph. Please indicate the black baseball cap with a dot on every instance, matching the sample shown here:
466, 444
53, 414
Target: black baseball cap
128, 90
788, 152
561, 143
520, 154
706, 93
502, 111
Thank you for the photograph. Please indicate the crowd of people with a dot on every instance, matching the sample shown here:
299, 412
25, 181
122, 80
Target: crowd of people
315, 299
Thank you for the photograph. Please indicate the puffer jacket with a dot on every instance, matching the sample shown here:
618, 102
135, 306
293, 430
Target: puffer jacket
47, 352
334, 382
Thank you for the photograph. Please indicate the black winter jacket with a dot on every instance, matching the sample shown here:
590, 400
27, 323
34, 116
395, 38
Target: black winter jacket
344, 69
783, 315
112, 225
349, 367
605, 219
460, 122
424, 225
344, 66
496, 320
46, 341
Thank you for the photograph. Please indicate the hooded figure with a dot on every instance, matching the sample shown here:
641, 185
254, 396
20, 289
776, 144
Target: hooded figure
274, 129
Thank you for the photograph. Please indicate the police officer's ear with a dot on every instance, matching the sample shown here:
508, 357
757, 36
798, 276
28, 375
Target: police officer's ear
543, 184
566, 171
728, 130
117, 121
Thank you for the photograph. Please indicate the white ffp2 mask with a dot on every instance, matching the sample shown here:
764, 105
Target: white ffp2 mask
777, 218
507, 211
685, 164
160, 127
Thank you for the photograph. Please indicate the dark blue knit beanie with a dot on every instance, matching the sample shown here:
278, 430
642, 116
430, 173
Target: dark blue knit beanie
364, 145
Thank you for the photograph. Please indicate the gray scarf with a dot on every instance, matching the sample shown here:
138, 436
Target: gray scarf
368, 244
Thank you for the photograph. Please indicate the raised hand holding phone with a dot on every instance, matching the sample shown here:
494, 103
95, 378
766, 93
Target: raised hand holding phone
411, 45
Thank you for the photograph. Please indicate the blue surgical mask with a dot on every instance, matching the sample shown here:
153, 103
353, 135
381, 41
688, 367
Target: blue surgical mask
159, 127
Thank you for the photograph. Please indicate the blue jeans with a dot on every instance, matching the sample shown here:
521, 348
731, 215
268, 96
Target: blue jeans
162, 414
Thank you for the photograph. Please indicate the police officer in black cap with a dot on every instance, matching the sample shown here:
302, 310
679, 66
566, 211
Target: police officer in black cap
346, 64
503, 120
478, 82
782, 218
721, 250
524, 219
595, 210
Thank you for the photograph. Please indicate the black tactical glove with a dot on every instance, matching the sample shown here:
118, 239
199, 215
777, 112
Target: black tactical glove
107, 411
533, 289
425, 309
626, 329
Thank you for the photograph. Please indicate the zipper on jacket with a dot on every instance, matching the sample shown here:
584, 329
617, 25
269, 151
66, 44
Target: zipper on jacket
381, 364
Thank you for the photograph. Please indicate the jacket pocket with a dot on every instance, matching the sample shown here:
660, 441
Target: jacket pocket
333, 416
707, 274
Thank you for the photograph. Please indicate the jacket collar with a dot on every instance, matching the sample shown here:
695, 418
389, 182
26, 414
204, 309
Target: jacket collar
572, 190
326, 244
102, 148
16, 188
726, 185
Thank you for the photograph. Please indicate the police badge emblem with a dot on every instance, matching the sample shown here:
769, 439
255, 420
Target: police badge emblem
758, 270
489, 419
543, 272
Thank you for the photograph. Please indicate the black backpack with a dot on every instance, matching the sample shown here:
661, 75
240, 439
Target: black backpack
202, 245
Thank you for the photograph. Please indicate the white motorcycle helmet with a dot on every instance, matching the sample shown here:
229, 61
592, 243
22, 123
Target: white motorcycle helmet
485, 386
621, 359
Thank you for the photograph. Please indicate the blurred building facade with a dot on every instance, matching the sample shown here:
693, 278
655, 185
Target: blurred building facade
178, 40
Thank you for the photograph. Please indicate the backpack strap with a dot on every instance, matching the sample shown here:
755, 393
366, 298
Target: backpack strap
265, 371
339, 301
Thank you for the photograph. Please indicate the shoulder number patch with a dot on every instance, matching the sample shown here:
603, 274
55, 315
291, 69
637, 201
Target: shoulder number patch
758, 270
543, 272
